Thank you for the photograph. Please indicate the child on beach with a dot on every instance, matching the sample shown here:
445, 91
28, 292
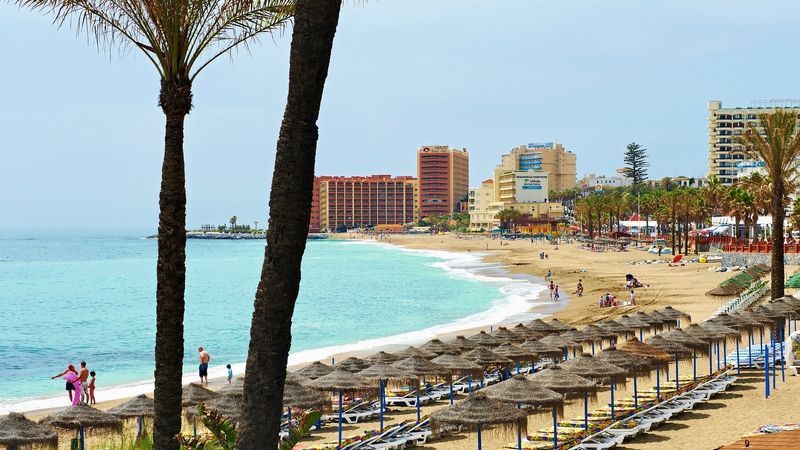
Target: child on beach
555, 293
230, 373
92, 401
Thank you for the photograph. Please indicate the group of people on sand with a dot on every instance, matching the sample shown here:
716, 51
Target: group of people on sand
609, 300
203, 359
80, 384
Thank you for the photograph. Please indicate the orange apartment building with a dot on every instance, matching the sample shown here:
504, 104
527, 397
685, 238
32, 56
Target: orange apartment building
443, 175
359, 202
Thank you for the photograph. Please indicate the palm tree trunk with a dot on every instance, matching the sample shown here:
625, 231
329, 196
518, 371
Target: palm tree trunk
776, 269
176, 101
290, 212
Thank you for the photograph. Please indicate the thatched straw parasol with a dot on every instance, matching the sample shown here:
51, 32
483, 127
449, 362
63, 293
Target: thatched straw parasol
542, 349
705, 334
382, 357
16, 430
599, 334
515, 353
590, 367
237, 386
315, 370
422, 367
774, 314
507, 336
542, 326
760, 318
728, 321
634, 322
193, 393
485, 339
635, 347
527, 333
726, 290
664, 319
783, 307
354, 364
414, 351
520, 390
459, 365
440, 348
560, 326
299, 396
673, 313
557, 341
686, 339
463, 343
616, 327
633, 364
228, 405
673, 348
580, 336
343, 381
656, 323
388, 376
563, 382
749, 320
478, 410
139, 406
728, 332
485, 358
82, 416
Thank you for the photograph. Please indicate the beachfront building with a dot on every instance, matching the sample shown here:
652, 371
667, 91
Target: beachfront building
443, 175
482, 207
485, 201
521, 185
549, 157
725, 124
594, 181
359, 202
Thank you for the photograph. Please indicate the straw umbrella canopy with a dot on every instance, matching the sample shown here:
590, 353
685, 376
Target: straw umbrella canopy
485, 358
382, 357
440, 348
388, 375
580, 336
747, 319
414, 351
315, 370
729, 321
354, 364
560, 326
557, 341
520, 390
774, 314
485, 339
542, 326
634, 322
460, 365
765, 321
17, 430
674, 314
616, 327
557, 379
726, 290
527, 333
193, 393
82, 416
664, 319
299, 396
635, 347
682, 337
230, 406
343, 380
237, 386
478, 410
728, 332
674, 348
706, 334
515, 353
422, 367
600, 334
507, 336
542, 349
139, 406
590, 367
633, 364
783, 307
789, 299
656, 323
463, 343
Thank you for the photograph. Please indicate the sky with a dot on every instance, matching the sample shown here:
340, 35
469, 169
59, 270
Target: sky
81, 135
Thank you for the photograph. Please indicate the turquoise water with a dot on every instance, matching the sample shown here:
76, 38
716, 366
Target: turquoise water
69, 295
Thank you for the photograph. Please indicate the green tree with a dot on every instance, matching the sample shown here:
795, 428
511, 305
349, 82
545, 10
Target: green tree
289, 214
233, 223
778, 147
180, 38
635, 159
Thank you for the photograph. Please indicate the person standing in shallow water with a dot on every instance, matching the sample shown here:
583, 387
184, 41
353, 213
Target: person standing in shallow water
204, 358
71, 376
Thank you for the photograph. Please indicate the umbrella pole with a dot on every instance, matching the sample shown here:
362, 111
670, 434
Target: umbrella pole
418, 405
694, 365
555, 429
725, 352
517, 368
592, 348
586, 411
479, 437
340, 418
750, 350
738, 364
289, 415
469, 380
383, 399
451, 392
710, 359
81, 431
677, 377
780, 336
613, 385
519, 435
640, 335
658, 384
138, 426
774, 357
766, 371
635, 393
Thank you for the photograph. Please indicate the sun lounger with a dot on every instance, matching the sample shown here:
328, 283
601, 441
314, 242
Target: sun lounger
599, 441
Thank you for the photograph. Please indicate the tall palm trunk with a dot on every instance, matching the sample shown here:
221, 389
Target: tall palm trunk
290, 212
686, 233
176, 101
776, 269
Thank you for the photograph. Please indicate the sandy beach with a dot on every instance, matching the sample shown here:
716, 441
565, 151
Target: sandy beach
722, 420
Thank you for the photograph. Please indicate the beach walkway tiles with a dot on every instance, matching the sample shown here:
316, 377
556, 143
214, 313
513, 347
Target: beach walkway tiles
772, 441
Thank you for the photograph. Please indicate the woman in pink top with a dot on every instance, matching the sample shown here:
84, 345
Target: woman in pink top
71, 375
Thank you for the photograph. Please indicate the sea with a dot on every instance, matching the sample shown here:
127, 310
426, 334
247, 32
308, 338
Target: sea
89, 294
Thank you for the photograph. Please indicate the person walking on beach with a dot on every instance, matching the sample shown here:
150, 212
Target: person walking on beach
73, 383
579, 289
555, 294
551, 286
633, 298
92, 401
83, 375
230, 373
204, 358
549, 274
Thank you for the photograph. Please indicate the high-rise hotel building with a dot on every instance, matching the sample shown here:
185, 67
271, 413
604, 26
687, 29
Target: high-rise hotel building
354, 202
727, 163
443, 176
549, 157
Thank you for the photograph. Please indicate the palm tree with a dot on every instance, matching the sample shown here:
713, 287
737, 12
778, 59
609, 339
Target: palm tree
503, 217
672, 204
233, 222
778, 148
289, 214
180, 38
513, 217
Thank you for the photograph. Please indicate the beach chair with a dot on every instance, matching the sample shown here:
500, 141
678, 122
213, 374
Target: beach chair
418, 433
391, 439
409, 399
599, 441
